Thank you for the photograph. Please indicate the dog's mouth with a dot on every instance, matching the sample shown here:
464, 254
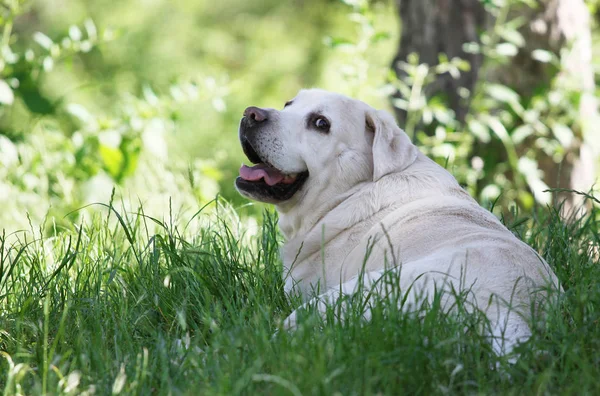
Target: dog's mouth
264, 182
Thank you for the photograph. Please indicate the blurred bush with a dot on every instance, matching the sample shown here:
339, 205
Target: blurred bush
146, 95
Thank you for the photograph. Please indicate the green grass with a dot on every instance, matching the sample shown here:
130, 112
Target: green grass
135, 305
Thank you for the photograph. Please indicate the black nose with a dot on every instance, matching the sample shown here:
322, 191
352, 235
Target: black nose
255, 115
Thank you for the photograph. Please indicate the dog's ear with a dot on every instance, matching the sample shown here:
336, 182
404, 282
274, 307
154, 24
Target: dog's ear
392, 149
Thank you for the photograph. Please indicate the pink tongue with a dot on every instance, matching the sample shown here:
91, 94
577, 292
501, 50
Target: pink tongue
262, 171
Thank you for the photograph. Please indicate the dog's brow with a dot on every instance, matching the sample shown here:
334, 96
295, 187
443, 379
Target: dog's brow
289, 102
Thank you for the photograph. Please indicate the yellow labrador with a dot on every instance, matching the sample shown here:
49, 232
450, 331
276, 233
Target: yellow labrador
343, 176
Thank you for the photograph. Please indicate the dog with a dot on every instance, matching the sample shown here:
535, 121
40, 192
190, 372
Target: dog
346, 180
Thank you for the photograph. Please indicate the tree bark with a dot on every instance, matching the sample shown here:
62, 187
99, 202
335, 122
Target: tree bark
432, 27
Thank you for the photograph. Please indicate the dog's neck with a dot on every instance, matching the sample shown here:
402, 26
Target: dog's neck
323, 216
295, 220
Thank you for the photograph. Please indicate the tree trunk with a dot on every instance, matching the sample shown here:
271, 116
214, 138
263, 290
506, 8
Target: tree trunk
433, 26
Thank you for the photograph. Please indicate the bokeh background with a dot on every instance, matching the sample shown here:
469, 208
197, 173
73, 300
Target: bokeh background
144, 96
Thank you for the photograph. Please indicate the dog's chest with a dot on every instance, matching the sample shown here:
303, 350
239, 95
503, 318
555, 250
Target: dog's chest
313, 261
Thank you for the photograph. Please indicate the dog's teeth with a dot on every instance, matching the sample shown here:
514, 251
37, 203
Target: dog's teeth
293, 175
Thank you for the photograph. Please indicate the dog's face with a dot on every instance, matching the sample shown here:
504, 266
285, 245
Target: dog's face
320, 142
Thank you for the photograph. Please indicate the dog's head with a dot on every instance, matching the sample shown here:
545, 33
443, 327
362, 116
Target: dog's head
320, 142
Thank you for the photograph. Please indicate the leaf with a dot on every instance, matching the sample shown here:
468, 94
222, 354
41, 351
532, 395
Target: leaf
521, 133
131, 150
150, 96
512, 36
43, 40
471, 48
80, 112
335, 42
543, 56
443, 115
479, 130
48, 63
563, 134
499, 129
400, 103
75, 33
502, 93
86, 46
507, 49
530, 169
91, 30
454, 72
462, 64
526, 199
112, 159
7, 97
427, 116
379, 36
490, 192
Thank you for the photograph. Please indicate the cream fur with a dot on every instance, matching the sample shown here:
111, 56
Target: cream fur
367, 179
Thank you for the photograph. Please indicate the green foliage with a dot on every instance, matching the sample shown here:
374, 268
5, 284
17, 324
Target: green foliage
101, 94
505, 135
58, 155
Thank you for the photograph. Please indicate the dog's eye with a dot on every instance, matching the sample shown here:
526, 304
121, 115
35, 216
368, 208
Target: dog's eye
318, 122
322, 124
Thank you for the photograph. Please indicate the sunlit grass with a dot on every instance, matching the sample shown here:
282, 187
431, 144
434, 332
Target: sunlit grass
131, 304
